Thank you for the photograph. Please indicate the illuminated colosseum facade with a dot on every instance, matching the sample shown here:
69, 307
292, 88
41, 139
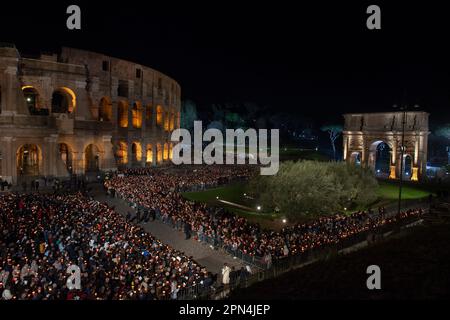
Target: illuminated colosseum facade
81, 112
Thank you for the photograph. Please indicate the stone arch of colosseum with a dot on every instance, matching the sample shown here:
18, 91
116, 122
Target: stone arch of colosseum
29, 160
82, 116
105, 109
64, 100
374, 140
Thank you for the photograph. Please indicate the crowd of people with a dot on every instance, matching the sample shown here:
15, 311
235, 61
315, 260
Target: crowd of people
158, 191
48, 241
46, 238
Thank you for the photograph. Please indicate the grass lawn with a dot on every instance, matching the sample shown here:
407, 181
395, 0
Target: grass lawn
235, 193
389, 191
388, 194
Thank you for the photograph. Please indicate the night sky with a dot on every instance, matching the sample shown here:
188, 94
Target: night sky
315, 60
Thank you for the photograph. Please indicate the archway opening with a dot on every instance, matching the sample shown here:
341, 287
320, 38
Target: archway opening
159, 116
407, 167
380, 158
166, 121
31, 96
166, 151
136, 113
105, 110
136, 153
92, 158
63, 101
122, 153
28, 160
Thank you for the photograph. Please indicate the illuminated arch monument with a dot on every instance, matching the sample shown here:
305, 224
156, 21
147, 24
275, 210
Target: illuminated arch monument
374, 140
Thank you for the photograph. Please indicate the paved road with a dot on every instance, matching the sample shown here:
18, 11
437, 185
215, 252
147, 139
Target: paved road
212, 259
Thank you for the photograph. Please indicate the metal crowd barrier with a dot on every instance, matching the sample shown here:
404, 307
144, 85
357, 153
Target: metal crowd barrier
277, 266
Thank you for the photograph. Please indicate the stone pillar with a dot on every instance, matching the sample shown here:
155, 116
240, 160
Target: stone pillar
49, 156
415, 174
154, 155
78, 162
108, 161
9, 169
130, 116
144, 154
129, 153
345, 141
13, 98
143, 115
392, 171
114, 118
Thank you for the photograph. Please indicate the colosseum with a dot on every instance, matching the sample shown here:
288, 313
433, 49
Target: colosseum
79, 112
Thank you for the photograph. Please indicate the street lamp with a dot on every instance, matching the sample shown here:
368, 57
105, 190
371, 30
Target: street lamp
404, 109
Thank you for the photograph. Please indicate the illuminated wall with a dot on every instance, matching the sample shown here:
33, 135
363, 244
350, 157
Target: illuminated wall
159, 153
149, 153
63, 100
166, 151
136, 150
105, 112
136, 113
159, 115
149, 115
122, 153
166, 121
172, 121
122, 114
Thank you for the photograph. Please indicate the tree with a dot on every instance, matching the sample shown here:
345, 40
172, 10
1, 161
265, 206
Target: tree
334, 131
443, 131
188, 114
234, 120
310, 188
216, 125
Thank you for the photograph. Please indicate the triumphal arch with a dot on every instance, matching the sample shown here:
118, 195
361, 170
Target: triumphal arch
374, 140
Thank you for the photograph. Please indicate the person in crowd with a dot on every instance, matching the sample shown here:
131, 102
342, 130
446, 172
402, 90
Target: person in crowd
42, 235
160, 190
226, 274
